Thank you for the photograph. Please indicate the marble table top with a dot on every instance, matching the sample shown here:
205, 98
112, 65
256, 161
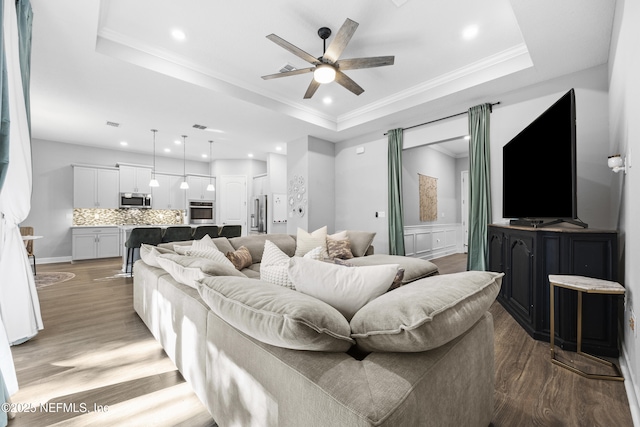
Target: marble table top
586, 284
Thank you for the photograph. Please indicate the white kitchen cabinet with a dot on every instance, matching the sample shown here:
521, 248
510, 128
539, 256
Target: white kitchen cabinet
168, 195
95, 187
95, 242
134, 179
198, 188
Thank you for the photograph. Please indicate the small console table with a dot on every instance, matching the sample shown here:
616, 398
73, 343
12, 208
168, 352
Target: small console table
582, 285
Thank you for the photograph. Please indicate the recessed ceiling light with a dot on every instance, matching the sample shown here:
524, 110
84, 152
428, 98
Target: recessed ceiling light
178, 34
279, 148
470, 32
250, 154
204, 156
327, 100
177, 142
167, 150
124, 143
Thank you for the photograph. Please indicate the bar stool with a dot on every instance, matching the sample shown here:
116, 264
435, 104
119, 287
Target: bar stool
202, 230
138, 236
582, 285
231, 231
176, 234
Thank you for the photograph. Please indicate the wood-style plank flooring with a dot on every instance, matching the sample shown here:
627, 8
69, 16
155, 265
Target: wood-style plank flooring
96, 353
530, 391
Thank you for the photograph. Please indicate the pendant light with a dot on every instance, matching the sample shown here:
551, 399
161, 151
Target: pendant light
210, 187
184, 185
154, 182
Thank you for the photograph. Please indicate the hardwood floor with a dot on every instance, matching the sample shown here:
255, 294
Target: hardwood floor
530, 391
95, 363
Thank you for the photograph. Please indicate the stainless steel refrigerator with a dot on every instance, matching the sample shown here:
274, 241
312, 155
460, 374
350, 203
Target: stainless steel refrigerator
259, 214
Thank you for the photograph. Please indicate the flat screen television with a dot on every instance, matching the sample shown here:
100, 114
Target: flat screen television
539, 168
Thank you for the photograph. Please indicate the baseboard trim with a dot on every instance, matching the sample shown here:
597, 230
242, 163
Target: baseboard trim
631, 387
53, 260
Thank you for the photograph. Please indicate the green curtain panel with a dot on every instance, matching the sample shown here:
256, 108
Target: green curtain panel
4, 106
396, 212
479, 186
25, 19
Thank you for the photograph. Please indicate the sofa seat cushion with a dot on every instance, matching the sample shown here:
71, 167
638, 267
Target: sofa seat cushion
414, 268
276, 315
187, 270
425, 314
346, 289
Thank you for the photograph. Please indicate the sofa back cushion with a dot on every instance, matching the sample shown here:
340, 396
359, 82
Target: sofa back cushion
425, 314
276, 315
255, 244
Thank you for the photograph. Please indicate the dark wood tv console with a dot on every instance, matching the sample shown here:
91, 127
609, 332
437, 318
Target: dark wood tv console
528, 255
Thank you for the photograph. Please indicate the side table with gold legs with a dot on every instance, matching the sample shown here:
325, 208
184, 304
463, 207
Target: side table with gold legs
582, 285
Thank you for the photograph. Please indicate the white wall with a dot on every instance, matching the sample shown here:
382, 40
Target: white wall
624, 133
276, 184
426, 160
361, 179
519, 108
52, 197
312, 160
361, 188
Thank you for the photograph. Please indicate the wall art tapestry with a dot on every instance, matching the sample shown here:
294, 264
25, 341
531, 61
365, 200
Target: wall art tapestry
428, 188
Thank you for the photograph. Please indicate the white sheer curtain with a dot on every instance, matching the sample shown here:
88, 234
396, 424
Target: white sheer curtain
19, 305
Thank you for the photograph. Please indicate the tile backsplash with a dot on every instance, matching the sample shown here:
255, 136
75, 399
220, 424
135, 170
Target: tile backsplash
128, 216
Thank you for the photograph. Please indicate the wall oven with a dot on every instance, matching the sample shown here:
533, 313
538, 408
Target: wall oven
135, 200
201, 212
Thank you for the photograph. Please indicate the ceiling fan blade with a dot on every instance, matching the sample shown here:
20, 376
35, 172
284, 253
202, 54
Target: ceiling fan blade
356, 63
340, 41
346, 81
289, 73
293, 49
313, 86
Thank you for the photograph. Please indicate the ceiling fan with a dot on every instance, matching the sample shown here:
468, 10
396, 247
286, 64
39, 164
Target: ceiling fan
329, 67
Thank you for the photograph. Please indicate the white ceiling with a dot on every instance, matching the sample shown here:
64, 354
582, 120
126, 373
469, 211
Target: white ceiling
97, 61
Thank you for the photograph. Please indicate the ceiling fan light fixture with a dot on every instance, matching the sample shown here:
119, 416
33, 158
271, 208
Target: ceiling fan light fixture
324, 73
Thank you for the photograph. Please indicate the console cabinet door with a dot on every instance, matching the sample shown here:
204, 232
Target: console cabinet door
522, 275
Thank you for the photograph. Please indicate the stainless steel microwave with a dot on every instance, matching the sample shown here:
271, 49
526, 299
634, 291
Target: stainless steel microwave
135, 200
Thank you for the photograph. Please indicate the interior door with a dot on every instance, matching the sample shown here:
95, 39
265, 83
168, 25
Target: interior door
233, 201
465, 210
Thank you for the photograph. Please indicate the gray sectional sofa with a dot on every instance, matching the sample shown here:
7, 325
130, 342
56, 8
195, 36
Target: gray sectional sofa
419, 355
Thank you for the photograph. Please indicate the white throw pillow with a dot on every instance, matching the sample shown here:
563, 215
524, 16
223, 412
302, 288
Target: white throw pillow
185, 275
307, 241
212, 253
149, 253
275, 264
181, 249
203, 243
345, 289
